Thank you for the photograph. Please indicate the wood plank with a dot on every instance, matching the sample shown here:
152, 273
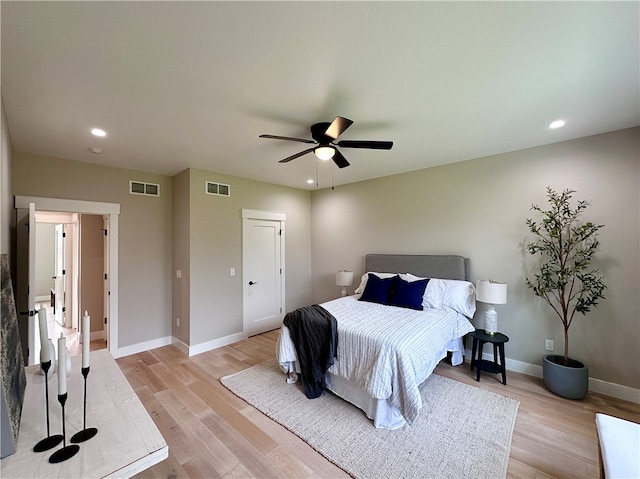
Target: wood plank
553, 437
202, 443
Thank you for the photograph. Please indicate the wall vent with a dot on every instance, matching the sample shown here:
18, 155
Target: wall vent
141, 188
217, 189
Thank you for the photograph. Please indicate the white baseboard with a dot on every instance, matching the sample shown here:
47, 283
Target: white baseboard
216, 343
208, 346
180, 345
45, 298
615, 390
141, 347
186, 349
618, 391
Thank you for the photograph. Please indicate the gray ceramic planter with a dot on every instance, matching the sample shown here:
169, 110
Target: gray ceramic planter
571, 382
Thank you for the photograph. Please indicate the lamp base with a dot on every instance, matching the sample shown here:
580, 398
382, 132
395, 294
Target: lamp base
490, 320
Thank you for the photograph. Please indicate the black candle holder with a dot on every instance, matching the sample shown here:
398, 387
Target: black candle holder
50, 441
86, 433
66, 452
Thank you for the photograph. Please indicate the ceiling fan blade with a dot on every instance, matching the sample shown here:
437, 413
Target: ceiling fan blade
297, 155
288, 138
337, 127
340, 160
372, 145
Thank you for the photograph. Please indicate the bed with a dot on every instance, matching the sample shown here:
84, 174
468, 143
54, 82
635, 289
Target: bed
385, 352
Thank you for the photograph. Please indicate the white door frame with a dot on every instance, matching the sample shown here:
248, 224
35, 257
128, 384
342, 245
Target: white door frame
261, 215
110, 210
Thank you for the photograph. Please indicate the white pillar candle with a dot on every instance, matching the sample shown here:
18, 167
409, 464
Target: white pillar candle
62, 370
45, 354
86, 339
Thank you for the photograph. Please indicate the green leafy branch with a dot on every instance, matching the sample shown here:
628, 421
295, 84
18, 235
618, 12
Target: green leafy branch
566, 247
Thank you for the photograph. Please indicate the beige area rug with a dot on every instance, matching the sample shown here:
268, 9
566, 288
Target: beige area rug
462, 431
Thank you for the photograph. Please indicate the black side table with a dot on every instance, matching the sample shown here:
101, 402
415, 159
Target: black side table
498, 340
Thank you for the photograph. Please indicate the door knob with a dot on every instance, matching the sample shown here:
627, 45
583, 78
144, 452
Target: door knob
251, 283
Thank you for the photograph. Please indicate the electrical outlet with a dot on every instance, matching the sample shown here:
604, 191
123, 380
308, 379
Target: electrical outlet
548, 344
178, 273
178, 322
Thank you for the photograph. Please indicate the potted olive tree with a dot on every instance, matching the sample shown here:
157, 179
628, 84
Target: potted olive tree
564, 278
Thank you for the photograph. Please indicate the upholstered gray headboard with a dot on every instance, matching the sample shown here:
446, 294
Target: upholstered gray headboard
427, 266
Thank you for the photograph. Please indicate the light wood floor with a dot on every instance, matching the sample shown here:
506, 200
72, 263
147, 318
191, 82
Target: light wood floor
211, 433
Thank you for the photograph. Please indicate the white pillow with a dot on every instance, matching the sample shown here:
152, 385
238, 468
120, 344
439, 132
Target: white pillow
434, 293
459, 295
363, 280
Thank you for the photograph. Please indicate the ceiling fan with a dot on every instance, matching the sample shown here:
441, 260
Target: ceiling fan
324, 136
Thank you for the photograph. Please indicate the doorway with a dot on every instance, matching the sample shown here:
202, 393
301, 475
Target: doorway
26, 209
262, 270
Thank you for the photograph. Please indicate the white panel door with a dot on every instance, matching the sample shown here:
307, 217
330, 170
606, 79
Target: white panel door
262, 275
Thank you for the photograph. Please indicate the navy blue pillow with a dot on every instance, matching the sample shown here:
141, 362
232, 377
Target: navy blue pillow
407, 294
377, 289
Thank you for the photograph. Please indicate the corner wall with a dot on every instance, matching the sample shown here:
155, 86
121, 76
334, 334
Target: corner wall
210, 229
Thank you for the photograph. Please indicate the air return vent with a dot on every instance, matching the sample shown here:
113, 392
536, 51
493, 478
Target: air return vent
141, 188
217, 189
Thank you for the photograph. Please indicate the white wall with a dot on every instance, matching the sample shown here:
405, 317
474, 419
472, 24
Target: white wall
478, 209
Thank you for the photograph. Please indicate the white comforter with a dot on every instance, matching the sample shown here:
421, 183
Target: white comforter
385, 350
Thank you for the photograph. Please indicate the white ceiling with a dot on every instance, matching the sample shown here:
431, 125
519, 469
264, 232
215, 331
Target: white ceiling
193, 84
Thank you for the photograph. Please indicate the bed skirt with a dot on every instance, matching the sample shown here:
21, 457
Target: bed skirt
383, 414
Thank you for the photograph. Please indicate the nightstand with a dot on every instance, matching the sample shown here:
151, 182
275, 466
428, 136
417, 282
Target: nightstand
480, 338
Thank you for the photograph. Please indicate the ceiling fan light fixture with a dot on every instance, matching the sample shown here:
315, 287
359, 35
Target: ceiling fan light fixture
325, 152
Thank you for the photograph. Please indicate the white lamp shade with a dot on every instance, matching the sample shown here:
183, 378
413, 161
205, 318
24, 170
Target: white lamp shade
491, 292
344, 278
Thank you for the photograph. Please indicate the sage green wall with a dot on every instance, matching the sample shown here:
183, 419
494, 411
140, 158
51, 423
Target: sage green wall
144, 240
215, 246
478, 208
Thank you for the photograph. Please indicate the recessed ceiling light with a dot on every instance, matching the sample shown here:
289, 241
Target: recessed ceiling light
98, 132
310, 182
554, 125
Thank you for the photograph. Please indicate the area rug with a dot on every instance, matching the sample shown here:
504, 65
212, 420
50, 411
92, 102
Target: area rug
462, 431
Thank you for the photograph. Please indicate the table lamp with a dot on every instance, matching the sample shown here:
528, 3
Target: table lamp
491, 292
344, 279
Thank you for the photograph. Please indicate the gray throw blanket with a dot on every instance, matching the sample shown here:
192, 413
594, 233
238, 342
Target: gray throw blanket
314, 332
